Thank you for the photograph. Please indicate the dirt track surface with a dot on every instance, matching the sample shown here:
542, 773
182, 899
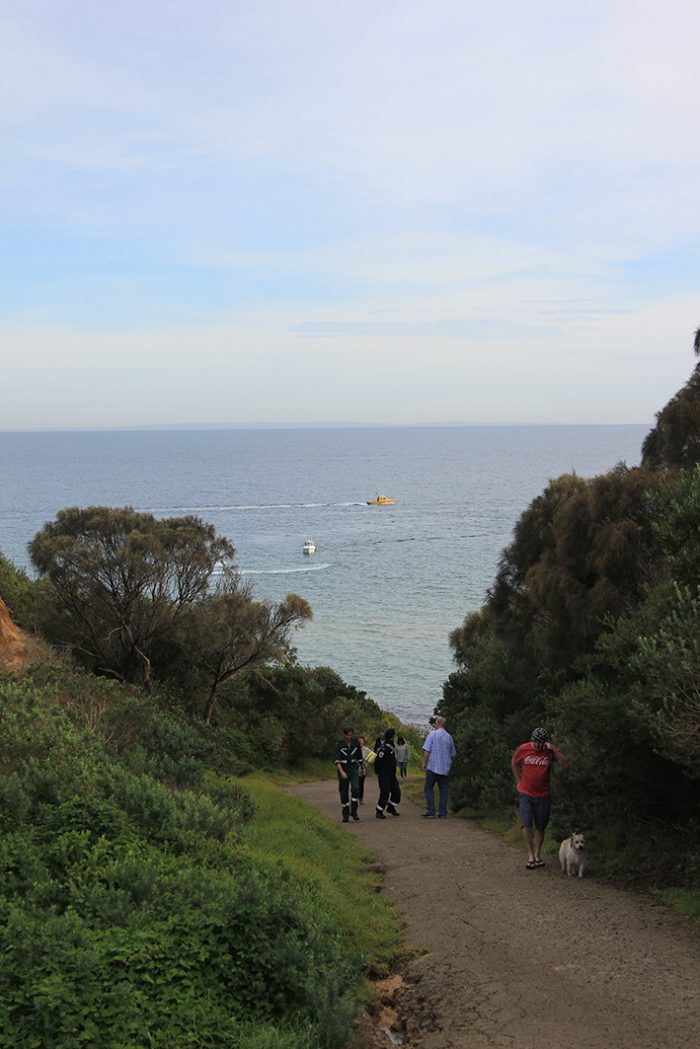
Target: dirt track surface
518, 959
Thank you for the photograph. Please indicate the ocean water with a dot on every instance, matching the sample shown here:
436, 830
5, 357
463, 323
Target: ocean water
387, 584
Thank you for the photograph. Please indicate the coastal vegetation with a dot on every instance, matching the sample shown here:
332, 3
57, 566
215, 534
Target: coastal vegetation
159, 886
132, 596
592, 627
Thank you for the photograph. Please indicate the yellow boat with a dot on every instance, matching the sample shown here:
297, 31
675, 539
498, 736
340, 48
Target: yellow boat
381, 500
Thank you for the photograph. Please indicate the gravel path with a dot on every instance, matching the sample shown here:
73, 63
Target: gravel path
515, 958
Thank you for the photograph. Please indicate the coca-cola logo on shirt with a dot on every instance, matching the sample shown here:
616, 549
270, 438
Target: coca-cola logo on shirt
544, 759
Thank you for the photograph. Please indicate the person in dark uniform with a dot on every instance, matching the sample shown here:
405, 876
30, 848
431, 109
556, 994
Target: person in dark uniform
348, 755
385, 767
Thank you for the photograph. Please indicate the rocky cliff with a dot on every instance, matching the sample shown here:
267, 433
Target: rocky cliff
13, 642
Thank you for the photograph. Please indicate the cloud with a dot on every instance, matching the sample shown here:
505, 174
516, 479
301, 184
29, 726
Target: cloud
464, 186
414, 106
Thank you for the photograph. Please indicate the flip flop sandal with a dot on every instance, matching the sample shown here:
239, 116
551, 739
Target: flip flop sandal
530, 865
539, 863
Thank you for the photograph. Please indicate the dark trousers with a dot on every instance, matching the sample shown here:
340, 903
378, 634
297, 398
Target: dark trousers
389, 791
349, 793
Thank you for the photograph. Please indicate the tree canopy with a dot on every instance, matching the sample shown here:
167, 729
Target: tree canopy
229, 634
122, 578
591, 627
135, 598
675, 440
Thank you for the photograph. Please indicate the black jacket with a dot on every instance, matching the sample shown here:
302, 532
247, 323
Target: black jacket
385, 761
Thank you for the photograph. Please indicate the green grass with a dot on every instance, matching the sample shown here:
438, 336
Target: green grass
412, 786
333, 866
311, 769
685, 901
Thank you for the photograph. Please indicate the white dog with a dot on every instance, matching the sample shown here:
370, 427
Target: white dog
572, 855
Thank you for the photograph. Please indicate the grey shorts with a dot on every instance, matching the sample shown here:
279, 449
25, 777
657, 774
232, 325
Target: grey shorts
534, 810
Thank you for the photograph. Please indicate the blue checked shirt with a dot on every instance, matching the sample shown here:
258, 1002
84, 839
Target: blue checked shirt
441, 748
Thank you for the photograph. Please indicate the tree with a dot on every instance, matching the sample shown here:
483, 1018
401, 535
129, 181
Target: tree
675, 440
581, 553
675, 513
122, 579
667, 664
229, 634
666, 657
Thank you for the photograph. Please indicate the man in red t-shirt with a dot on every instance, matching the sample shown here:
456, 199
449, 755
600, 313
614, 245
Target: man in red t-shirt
532, 764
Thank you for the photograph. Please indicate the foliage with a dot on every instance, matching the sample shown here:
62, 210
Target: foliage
133, 597
687, 903
481, 773
675, 440
592, 628
667, 661
294, 713
132, 915
121, 579
580, 553
21, 595
675, 513
344, 883
228, 634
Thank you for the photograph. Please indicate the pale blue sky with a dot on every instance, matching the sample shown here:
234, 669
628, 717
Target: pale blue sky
234, 212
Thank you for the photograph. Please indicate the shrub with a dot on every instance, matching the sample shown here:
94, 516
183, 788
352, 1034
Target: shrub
483, 778
131, 917
22, 595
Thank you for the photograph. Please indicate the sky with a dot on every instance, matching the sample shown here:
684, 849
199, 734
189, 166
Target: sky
236, 212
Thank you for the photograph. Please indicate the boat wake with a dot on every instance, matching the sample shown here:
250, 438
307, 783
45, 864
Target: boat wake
240, 507
282, 571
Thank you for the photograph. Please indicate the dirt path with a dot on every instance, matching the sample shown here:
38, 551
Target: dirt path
520, 959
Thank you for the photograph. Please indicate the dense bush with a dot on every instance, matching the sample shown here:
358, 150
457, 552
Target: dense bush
293, 713
625, 710
592, 628
22, 595
675, 440
128, 915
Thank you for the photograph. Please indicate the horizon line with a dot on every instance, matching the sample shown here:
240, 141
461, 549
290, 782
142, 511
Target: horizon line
334, 425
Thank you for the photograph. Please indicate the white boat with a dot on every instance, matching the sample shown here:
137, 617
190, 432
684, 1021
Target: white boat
309, 547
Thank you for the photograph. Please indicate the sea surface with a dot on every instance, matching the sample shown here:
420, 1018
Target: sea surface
388, 583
